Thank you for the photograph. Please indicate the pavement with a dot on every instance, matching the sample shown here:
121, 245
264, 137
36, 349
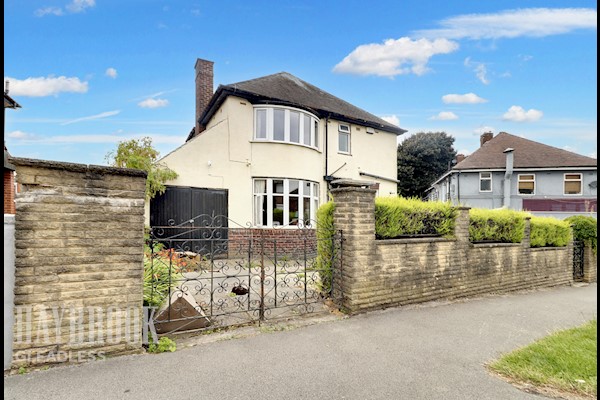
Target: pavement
432, 351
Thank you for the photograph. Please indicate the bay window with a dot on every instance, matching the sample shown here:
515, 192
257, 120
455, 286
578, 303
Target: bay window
283, 202
287, 125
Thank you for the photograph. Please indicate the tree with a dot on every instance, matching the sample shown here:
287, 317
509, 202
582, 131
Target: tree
423, 158
139, 154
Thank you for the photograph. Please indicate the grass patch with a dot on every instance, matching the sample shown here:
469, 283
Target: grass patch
564, 361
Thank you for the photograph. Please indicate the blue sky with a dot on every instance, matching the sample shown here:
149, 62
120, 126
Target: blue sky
90, 73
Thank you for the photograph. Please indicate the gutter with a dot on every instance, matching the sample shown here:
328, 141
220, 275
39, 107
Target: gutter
383, 178
508, 175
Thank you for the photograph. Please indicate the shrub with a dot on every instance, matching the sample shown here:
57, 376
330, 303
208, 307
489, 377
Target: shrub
549, 232
499, 225
399, 216
585, 230
325, 245
164, 344
162, 270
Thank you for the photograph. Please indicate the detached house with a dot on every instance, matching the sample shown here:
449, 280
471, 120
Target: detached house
517, 173
264, 152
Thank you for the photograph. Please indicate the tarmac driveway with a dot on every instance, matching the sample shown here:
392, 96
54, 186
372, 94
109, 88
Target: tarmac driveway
436, 351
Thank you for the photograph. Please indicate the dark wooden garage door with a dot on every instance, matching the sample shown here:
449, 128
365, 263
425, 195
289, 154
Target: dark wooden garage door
186, 207
178, 205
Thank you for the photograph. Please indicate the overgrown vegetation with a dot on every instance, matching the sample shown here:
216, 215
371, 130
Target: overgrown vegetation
164, 345
162, 271
585, 229
500, 225
140, 154
399, 216
325, 245
549, 232
565, 360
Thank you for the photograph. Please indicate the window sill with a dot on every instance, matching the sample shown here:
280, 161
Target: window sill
287, 143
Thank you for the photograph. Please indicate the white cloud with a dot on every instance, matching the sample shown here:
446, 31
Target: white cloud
77, 6
445, 116
483, 129
98, 138
392, 119
518, 114
74, 7
153, 103
20, 135
525, 57
467, 98
481, 72
40, 12
394, 57
528, 22
111, 72
40, 87
479, 68
93, 117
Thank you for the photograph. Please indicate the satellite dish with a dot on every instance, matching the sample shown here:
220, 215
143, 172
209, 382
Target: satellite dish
593, 184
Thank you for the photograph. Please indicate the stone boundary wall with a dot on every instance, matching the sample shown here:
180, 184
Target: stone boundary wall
79, 235
382, 273
590, 265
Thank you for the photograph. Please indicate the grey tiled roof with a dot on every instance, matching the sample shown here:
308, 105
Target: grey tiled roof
527, 154
285, 88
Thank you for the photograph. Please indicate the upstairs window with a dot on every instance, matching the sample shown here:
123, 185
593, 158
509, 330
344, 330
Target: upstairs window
344, 139
485, 181
279, 124
526, 184
572, 184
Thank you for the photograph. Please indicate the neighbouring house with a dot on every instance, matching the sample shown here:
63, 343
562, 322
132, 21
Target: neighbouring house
9, 169
264, 152
516, 173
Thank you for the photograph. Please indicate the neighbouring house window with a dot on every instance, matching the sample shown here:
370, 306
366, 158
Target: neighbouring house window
281, 124
572, 183
526, 184
485, 181
344, 139
280, 202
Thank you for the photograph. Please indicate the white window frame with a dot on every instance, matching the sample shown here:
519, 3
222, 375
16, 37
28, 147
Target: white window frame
519, 180
270, 123
344, 130
312, 195
481, 179
580, 180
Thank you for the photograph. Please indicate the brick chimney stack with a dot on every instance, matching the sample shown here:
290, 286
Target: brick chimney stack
204, 89
486, 137
460, 157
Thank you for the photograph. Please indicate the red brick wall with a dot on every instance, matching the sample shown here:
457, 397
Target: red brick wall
9, 192
286, 242
204, 89
573, 205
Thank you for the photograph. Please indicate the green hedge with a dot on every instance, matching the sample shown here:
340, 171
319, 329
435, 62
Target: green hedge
585, 229
549, 232
399, 216
500, 225
325, 232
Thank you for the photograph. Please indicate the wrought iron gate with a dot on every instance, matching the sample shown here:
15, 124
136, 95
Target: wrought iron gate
578, 258
210, 272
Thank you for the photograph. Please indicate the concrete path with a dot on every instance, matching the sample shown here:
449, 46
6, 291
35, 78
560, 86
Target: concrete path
437, 351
